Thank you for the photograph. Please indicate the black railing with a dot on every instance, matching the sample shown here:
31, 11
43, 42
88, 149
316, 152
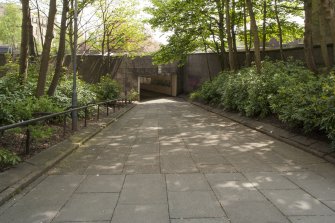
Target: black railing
116, 103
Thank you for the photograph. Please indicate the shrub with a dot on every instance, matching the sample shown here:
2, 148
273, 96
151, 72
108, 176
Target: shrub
8, 158
107, 89
133, 95
286, 89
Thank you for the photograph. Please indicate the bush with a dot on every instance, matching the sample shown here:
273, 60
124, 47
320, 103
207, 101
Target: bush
8, 158
107, 89
286, 89
133, 95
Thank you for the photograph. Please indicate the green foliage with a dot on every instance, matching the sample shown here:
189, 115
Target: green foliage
10, 24
63, 95
40, 132
8, 158
286, 89
107, 89
133, 95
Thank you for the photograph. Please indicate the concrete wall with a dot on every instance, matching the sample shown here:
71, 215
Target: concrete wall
197, 69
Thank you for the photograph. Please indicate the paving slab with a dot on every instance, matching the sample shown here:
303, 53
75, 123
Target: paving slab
297, 202
269, 180
201, 220
88, 207
101, 184
43, 202
313, 219
194, 204
144, 189
144, 213
187, 182
254, 211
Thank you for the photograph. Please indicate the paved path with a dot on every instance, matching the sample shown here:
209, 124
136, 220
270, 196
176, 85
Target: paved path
167, 161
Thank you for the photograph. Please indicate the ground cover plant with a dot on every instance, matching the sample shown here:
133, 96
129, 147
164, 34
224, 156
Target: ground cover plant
288, 90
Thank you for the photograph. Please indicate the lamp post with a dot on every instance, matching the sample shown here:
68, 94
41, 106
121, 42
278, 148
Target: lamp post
74, 63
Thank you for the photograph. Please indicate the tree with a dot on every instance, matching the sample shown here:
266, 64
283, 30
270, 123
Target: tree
254, 30
10, 25
308, 43
61, 50
232, 62
24, 41
46, 49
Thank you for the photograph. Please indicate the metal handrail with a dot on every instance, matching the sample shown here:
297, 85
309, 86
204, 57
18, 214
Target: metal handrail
64, 113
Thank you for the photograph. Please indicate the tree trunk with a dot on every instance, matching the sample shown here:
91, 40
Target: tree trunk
39, 23
229, 37
233, 33
264, 26
323, 44
280, 31
308, 43
24, 41
247, 49
222, 52
329, 16
61, 50
42, 77
32, 51
254, 31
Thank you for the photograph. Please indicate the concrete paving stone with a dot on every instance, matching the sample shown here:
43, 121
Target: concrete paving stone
143, 159
187, 182
327, 170
217, 178
268, 156
269, 180
146, 140
88, 207
320, 189
116, 150
177, 165
201, 220
285, 167
144, 189
101, 184
145, 148
42, 203
208, 158
144, 213
8, 178
141, 169
330, 204
312, 219
194, 204
305, 175
253, 211
216, 168
104, 167
175, 151
232, 191
296, 202
113, 157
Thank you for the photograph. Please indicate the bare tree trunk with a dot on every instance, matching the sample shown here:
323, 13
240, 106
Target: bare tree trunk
32, 51
39, 22
220, 8
264, 26
24, 41
323, 44
254, 31
247, 49
328, 6
61, 50
42, 77
229, 37
280, 31
233, 33
308, 43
